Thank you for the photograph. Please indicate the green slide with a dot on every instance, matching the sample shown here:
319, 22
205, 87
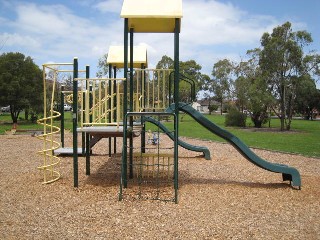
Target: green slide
288, 173
183, 144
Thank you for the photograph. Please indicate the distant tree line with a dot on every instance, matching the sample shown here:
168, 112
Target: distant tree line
277, 78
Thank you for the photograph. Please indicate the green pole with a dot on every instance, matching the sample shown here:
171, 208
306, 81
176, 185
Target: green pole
87, 134
142, 87
62, 116
131, 70
131, 104
125, 102
75, 121
176, 100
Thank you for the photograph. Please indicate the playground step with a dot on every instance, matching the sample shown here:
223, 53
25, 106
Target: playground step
68, 151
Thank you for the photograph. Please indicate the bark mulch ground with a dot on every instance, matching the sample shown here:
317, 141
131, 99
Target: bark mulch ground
224, 198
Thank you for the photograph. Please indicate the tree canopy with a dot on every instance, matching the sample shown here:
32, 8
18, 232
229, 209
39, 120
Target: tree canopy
189, 70
284, 64
222, 83
21, 85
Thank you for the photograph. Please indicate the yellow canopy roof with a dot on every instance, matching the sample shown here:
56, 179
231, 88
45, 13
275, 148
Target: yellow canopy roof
152, 15
116, 56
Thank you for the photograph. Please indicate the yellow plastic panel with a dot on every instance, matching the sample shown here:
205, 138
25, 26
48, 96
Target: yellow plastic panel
116, 55
152, 15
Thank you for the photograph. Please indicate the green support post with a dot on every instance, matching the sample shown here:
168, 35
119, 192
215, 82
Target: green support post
125, 102
176, 100
143, 132
74, 122
131, 105
62, 116
87, 134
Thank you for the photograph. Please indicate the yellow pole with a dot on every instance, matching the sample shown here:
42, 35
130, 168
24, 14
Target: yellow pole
45, 120
51, 119
112, 101
158, 86
148, 89
99, 98
81, 102
93, 101
164, 88
118, 103
87, 101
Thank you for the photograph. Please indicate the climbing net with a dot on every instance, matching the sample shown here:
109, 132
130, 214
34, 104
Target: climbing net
149, 164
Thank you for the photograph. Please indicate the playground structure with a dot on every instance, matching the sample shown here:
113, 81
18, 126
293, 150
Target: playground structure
121, 107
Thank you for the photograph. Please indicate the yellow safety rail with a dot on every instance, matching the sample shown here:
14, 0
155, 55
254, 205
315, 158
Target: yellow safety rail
107, 101
155, 90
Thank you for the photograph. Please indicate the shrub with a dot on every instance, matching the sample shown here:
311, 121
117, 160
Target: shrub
235, 118
212, 108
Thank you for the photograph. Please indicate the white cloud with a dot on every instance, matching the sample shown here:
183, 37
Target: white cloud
211, 22
54, 31
58, 33
206, 26
15, 39
113, 6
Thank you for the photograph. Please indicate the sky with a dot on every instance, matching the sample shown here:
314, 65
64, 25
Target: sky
211, 30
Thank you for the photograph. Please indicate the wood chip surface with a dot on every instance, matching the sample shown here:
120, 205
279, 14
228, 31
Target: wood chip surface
223, 198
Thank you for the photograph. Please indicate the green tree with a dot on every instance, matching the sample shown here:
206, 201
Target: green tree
308, 98
21, 84
283, 62
192, 71
189, 69
222, 83
251, 90
241, 86
165, 63
103, 67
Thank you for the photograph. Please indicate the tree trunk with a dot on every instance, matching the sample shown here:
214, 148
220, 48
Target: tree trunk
282, 108
26, 114
14, 116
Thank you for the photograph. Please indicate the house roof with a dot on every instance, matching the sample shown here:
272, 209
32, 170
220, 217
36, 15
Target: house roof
116, 56
152, 16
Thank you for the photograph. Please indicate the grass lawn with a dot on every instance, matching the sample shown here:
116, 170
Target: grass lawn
304, 138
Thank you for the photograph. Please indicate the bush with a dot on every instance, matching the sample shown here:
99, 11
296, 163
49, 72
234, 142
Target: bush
235, 118
212, 108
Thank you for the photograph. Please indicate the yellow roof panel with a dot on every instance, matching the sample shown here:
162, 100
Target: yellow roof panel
116, 56
152, 15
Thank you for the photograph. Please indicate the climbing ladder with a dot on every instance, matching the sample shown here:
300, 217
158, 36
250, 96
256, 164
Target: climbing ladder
50, 164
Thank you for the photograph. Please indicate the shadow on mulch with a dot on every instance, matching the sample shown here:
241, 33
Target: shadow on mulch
211, 181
